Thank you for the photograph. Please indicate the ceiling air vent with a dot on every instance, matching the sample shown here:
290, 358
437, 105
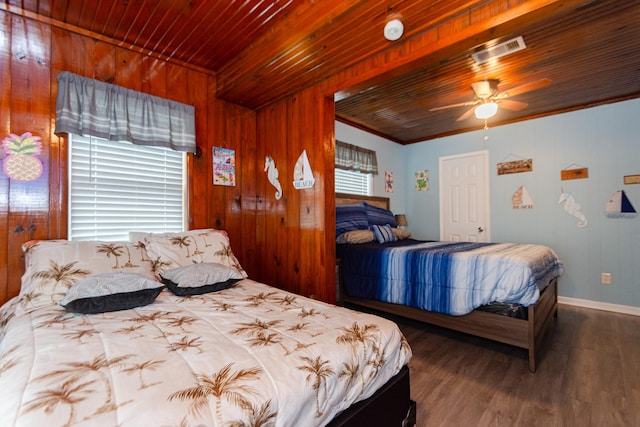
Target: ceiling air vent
499, 50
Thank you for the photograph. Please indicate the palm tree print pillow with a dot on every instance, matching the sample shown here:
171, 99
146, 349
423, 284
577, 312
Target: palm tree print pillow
172, 250
53, 266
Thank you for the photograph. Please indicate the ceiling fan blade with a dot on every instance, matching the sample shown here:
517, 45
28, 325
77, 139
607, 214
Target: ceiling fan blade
512, 105
527, 87
444, 107
466, 114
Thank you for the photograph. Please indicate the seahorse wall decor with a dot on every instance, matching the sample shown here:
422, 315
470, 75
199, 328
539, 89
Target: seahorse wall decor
572, 207
272, 175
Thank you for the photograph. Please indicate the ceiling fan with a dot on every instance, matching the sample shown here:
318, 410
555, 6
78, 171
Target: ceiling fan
488, 97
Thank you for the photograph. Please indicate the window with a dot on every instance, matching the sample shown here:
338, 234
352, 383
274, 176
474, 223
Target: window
116, 187
353, 182
354, 168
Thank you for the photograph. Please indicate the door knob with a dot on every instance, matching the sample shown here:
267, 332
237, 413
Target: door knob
480, 229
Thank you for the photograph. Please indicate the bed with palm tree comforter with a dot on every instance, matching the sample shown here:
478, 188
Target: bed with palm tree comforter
244, 354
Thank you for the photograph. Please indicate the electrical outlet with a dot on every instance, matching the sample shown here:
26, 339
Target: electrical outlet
606, 278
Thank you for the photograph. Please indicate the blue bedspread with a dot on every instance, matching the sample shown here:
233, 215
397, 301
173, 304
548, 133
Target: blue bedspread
446, 277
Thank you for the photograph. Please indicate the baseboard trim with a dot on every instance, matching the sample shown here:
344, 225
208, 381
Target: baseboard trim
597, 305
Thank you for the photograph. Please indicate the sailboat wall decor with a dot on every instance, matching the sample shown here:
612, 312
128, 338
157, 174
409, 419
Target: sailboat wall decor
521, 199
619, 206
302, 173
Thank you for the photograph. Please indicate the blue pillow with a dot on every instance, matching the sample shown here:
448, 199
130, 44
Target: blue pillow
383, 233
351, 217
379, 216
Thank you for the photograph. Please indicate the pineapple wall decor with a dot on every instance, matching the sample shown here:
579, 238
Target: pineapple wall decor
20, 162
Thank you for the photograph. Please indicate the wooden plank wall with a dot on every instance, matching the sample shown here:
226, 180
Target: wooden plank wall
280, 242
32, 54
296, 241
26, 103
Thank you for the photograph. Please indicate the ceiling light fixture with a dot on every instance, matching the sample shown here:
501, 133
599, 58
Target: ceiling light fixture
393, 30
486, 110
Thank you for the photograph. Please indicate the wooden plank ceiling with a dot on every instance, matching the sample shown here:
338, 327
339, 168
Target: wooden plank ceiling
264, 50
591, 54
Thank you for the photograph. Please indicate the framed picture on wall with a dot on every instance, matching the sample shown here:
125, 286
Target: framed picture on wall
224, 166
422, 180
388, 182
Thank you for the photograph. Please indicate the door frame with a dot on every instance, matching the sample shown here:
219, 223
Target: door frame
485, 161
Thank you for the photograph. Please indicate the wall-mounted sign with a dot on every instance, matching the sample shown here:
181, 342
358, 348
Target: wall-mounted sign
632, 179
515, 166
302, 173
579, 173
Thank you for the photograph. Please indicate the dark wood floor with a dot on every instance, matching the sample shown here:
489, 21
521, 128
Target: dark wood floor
588, 375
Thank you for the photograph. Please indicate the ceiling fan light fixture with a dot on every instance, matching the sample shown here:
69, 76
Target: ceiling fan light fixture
486, 110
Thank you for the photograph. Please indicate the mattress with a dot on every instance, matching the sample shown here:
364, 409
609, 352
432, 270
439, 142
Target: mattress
247, 355
447, 277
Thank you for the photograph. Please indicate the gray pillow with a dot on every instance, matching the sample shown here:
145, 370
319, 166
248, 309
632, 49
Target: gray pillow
197, 279
105, 292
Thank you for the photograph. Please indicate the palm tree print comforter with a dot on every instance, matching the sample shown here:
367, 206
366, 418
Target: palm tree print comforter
250, 355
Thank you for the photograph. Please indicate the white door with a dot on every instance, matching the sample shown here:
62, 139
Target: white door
464, 197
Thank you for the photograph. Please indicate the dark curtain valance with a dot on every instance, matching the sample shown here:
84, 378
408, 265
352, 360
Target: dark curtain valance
352, 157
90, 107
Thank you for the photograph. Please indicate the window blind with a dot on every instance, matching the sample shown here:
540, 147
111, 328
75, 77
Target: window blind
352, 182
116, 187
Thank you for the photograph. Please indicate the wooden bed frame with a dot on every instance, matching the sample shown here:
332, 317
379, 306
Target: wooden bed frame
527, 334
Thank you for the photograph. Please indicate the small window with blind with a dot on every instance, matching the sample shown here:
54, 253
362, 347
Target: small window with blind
354, 169
352, 182
116, 187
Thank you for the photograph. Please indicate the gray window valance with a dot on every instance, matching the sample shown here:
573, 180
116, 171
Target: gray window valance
90, 107
352, 157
